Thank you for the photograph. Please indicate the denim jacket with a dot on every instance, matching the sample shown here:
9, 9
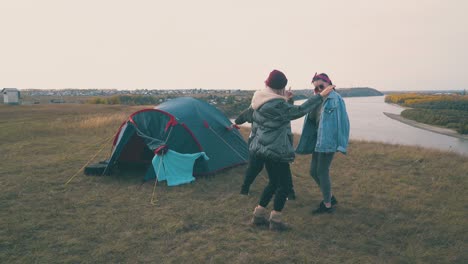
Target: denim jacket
332, 133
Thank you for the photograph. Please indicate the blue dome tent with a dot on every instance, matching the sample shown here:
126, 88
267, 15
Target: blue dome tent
184, 125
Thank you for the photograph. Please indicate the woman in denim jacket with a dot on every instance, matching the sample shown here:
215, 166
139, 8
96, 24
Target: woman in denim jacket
325, 131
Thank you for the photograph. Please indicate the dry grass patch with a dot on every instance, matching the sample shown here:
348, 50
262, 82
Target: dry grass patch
397, 204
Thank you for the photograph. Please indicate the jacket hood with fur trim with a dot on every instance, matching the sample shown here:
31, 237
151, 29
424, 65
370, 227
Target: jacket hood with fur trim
263, 96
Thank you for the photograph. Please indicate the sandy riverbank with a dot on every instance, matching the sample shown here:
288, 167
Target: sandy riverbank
440, 130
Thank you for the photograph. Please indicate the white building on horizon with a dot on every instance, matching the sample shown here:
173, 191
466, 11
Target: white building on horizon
11, 95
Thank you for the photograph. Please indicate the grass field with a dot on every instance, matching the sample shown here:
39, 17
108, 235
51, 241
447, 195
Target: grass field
397, 204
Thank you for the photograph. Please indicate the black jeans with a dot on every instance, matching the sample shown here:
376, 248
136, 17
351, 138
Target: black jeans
320, 171
279, 184
254, 168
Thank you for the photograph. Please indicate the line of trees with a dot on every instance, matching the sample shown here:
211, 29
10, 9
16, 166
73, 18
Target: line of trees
449, 111
454, 119
231, 106
126, 100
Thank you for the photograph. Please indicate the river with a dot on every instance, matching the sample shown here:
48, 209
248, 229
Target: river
369, 123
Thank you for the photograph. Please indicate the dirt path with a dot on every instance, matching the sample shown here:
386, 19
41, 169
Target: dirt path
440, 130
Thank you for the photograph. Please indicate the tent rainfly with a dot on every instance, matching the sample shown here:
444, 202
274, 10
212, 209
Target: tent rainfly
182, 126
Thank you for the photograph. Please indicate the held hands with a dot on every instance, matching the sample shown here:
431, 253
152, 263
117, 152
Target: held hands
327, 91
289, 94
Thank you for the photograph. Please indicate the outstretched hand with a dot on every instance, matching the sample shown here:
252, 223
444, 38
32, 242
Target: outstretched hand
327, 90
289, 94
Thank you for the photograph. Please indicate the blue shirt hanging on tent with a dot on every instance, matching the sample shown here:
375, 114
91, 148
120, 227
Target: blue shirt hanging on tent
176, 168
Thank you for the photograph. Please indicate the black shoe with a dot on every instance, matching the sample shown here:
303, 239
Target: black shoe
244, 190
334, 201
292, 195
322, 209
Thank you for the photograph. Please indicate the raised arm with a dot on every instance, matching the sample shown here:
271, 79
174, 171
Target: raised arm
291, 112
245, 116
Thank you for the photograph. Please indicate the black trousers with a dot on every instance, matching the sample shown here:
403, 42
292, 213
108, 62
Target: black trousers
254, 168
279, 184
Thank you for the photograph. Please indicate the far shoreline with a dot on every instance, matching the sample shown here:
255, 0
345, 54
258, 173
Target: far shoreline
439, 130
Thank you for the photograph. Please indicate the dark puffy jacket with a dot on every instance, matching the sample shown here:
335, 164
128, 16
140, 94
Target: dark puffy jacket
246, 116
272, 137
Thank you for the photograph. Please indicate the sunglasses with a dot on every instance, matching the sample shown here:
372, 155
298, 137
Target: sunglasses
320, 87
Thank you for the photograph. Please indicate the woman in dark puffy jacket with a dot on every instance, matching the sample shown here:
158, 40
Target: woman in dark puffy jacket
272, 143
256, 166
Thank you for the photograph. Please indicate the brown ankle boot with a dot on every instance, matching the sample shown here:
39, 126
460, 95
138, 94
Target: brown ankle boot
260, 217
276, 224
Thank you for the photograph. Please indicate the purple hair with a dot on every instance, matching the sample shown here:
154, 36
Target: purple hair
323, 77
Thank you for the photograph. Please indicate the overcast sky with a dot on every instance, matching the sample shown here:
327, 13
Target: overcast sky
233, 44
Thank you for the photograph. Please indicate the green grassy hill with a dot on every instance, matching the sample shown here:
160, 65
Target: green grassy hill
397, 204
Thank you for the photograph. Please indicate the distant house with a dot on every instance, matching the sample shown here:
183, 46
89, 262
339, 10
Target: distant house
11, 96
